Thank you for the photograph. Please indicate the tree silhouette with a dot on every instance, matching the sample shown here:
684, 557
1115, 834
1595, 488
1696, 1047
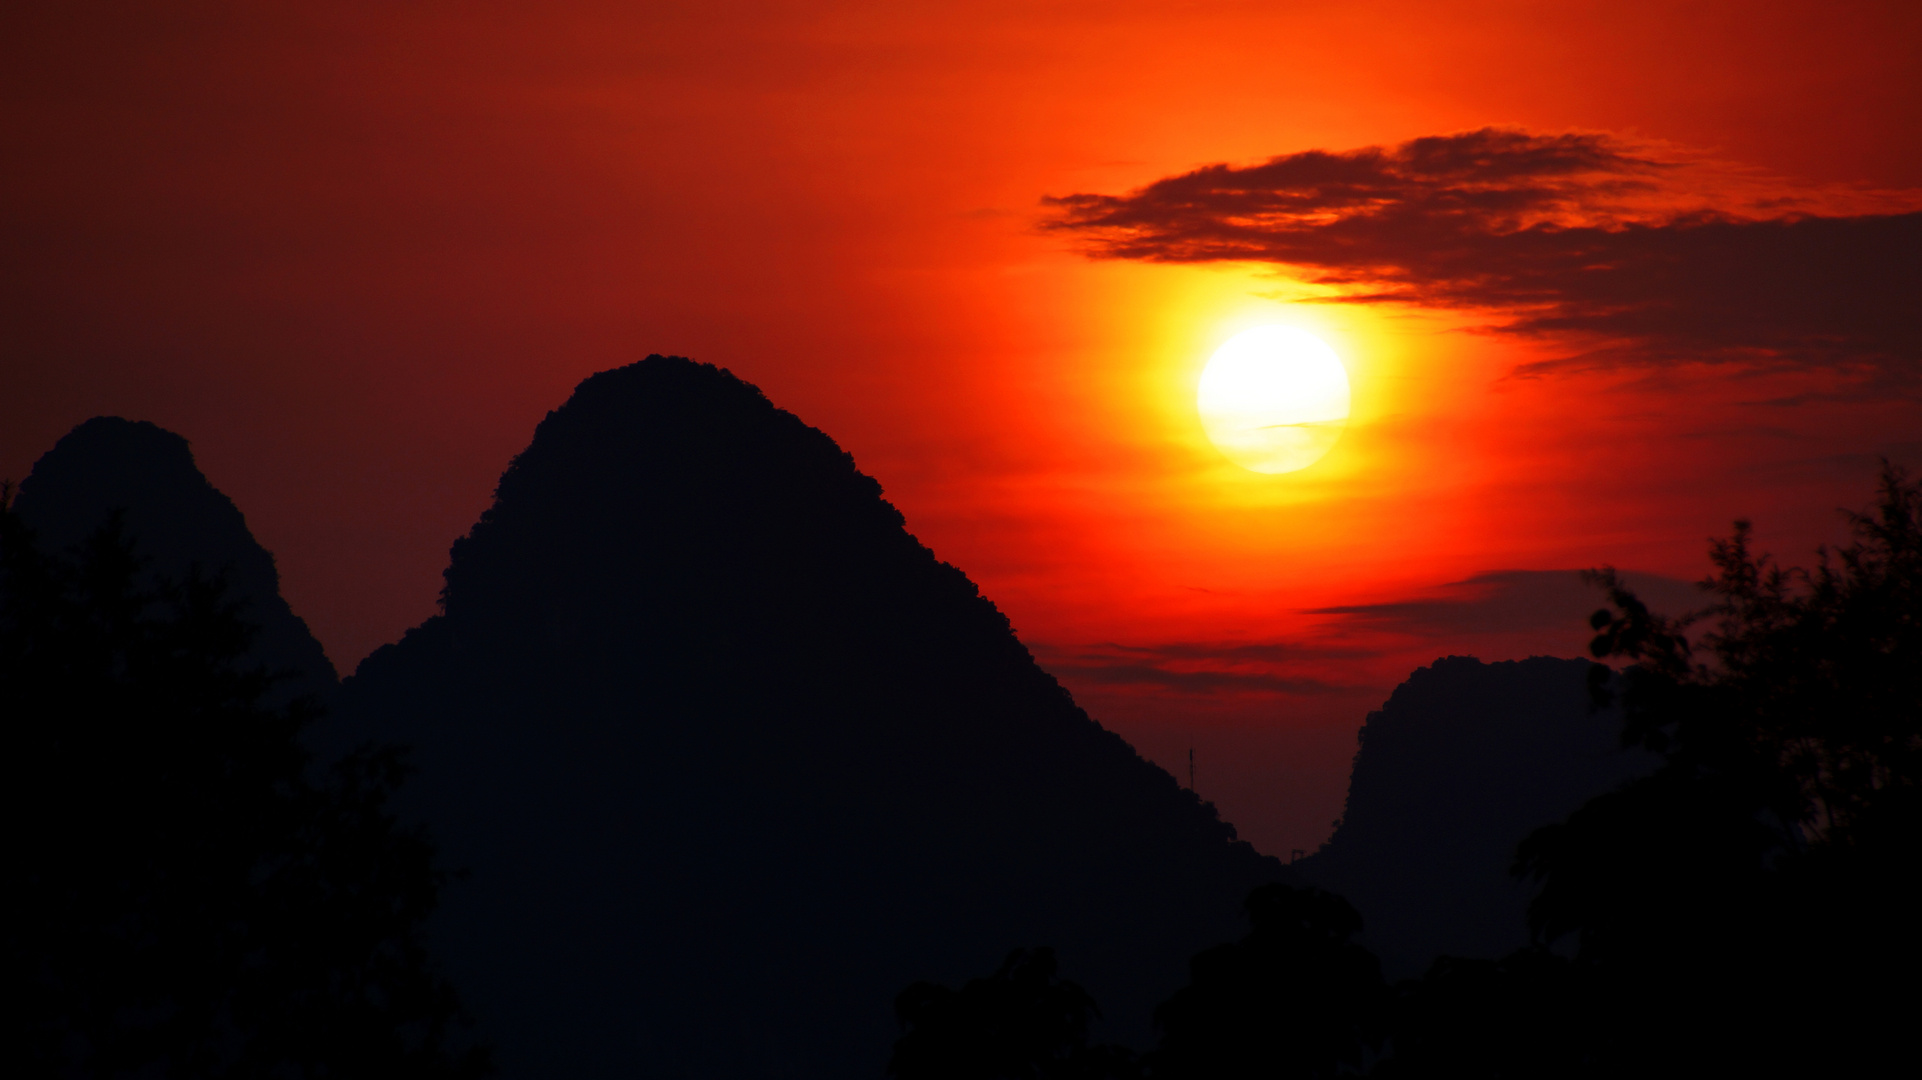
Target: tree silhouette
1021, 1023
1749, 908
186, 896
1294, 998
1747, 905
1522, 1017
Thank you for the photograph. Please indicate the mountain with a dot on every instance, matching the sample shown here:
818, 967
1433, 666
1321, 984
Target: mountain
1463, 761
178, 520
729, 759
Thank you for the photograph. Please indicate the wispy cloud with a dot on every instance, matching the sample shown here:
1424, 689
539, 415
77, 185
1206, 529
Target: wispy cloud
1634, 254
1508, 602
1498, 609
1202, 668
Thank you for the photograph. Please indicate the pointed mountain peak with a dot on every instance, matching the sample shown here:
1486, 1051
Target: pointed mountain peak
721, 741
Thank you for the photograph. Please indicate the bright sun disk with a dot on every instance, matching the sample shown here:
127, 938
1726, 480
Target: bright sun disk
1274, 399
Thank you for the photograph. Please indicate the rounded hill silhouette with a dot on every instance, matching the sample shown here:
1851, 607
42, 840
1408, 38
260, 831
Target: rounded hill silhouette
179, 521
1462, 763
730, 758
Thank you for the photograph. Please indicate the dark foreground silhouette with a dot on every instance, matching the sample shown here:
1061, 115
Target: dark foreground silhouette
147, 475
1462, 762
1748, 908
1295, 997
1020, 1022
187, 894
1773, 864
730, 758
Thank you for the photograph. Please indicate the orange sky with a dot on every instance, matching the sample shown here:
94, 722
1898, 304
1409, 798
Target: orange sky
355, 254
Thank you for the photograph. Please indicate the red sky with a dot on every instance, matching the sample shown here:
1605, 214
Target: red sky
354, 252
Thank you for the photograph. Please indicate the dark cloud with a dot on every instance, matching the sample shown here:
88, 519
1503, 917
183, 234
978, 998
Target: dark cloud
1197, 668
1582, 236
1279, 652
1539, 610
1509, 602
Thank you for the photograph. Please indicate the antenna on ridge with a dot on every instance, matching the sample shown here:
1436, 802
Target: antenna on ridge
1191, 769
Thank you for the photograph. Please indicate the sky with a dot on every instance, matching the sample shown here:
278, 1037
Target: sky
1605, 277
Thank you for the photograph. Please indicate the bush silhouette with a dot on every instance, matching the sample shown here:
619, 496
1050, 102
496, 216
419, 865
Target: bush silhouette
186, 897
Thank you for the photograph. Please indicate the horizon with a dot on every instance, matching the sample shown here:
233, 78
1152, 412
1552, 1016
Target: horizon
355, 256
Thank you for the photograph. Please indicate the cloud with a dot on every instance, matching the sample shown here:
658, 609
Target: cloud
1634, 254
1534, 610
1510, 602
1198, 668
1492, 614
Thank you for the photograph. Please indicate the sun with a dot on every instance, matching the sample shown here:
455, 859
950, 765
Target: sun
1274, 399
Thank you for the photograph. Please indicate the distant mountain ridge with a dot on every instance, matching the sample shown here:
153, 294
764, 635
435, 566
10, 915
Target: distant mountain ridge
178, 520
732, 758
1462, 762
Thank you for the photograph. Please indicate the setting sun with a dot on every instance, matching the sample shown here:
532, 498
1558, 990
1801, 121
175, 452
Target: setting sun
1274, 399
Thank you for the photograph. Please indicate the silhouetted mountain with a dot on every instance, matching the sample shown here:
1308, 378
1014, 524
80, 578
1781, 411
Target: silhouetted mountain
178, 520
731, 758
187, 895
1463, 762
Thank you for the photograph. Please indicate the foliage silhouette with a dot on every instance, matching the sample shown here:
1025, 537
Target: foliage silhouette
1746, 908
1774, 861
1296, 997
1021, 1023
185, 897
1522, 1017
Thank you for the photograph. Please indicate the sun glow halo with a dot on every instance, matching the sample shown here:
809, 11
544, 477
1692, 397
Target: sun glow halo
1274, 399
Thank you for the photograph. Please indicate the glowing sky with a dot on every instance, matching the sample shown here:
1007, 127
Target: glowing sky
354, 252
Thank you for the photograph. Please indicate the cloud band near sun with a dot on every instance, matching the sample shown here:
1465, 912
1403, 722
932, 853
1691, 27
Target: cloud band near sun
1631, 254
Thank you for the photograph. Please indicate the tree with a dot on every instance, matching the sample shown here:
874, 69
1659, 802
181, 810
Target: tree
1522, 1017
1749, 908
1021, 1023
188, 894
1294, 998
1751, 904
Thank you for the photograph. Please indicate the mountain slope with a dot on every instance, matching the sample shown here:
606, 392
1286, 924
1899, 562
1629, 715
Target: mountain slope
1463, 761
731, 759
177, 520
